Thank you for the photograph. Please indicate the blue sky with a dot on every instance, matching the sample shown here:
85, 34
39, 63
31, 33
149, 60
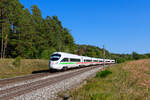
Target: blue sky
123, 26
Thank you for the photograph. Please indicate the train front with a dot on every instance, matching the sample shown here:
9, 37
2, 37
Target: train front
54, 61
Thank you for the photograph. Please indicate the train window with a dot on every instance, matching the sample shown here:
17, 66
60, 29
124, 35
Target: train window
95, 60
55, 57
101, 61
74, 60
87, 60
64, 60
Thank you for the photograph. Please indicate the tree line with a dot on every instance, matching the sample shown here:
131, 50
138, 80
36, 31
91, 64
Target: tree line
27, 34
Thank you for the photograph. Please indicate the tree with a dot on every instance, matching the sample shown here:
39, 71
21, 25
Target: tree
136, 56
4, 27
28, 35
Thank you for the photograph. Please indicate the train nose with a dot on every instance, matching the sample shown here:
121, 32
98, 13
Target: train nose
52, 63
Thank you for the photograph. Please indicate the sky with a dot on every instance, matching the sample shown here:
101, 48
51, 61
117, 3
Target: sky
122, 26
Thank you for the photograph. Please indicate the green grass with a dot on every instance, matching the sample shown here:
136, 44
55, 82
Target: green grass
17, 67
103, 74
114, 83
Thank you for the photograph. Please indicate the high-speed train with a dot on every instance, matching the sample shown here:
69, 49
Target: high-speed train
63, 61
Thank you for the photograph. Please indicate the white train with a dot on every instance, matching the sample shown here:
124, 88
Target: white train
63, 61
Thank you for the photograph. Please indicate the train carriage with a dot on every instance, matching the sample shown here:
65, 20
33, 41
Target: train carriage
95, 61
101, 61
87, 61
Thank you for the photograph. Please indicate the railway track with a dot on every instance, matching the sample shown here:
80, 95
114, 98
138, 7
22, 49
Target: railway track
5, 82
46, 79
10, 81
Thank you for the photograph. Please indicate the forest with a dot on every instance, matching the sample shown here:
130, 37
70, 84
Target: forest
26, 34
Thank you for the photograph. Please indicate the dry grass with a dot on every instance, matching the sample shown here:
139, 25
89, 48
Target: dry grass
27, 66
140, 71
128, 81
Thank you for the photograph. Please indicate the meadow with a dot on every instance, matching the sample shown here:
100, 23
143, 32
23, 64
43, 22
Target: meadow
126, 81
17, 67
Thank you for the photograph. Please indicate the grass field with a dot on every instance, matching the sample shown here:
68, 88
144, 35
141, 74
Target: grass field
12, 67
127, 81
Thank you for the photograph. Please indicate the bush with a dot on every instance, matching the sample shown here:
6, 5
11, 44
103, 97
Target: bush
46, 53
120, 60
103, 74
17, 61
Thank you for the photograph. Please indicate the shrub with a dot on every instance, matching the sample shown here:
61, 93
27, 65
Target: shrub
120, 60
103, 74
46, 53
17, 61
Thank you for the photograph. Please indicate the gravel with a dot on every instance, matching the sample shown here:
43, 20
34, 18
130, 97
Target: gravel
52, 90
34, 80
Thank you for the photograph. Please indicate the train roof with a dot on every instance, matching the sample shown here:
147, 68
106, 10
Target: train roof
67, 54
77, 56
85, 57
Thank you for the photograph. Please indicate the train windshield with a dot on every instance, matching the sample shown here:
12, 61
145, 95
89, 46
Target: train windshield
55, 57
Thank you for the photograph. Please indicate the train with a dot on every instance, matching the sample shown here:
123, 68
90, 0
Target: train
64, 61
